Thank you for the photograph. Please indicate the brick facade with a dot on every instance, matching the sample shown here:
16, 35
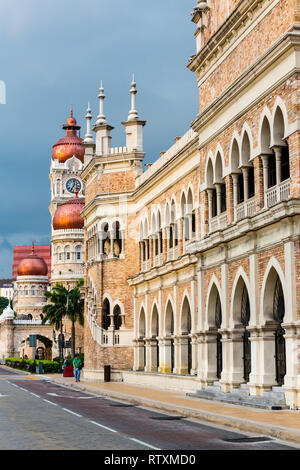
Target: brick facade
210, 245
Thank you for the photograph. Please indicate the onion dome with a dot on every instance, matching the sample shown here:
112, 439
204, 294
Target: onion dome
32, 265
67, 215
71, 144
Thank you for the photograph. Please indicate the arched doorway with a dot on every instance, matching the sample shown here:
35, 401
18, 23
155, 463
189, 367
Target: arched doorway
218, 323
169, 339
186, 341
278, 313
46, 351
142, 334
274, 311
245, 318
154, 340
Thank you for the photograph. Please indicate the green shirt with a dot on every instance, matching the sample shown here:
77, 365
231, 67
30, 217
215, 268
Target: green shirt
76, 362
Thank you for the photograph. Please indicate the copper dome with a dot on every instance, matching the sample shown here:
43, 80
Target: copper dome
67, 215
32, 265
71, 144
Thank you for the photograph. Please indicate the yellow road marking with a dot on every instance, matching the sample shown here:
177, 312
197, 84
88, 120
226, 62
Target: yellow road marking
13, 377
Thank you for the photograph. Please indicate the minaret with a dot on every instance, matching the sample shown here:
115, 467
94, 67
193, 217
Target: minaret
88, 136
134, 126
102, 129
88, 142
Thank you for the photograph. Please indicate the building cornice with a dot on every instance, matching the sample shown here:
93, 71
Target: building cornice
170, 267
263, 219
239, 20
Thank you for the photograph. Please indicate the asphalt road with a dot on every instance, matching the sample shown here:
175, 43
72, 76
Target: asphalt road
36, 414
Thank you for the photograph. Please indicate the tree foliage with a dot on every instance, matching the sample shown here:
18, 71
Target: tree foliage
3, 304
61, 303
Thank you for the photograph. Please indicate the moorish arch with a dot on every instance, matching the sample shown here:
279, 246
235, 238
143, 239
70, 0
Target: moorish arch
169, 337
154, 334
214, 316
240, 317
186, 331
273, 309
141, 337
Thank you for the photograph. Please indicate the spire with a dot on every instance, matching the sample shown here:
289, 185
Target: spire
133, 114
71, 114
32, 248
88, 136
101, 118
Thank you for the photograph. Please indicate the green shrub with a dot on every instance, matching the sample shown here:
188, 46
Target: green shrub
30, 365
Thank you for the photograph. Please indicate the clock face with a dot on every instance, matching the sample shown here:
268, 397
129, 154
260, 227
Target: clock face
71, 185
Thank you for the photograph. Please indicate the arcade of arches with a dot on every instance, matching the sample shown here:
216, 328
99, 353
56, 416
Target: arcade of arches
227, 341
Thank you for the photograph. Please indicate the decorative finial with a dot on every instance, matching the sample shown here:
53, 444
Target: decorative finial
71, 111
101, 118
88, 137
133, 114
32, 248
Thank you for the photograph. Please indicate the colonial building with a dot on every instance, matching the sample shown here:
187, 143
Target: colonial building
192, 267
29, 299
6, 288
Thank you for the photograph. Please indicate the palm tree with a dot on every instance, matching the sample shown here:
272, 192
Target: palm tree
75, 310
55, 310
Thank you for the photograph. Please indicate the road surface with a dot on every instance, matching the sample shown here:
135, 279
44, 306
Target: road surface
36, 414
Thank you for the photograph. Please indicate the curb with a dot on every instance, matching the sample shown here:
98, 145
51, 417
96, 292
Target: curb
284, 434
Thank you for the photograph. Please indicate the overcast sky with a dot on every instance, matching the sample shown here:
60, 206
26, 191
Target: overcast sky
54, 53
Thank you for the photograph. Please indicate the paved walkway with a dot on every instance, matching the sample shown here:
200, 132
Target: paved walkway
283, 424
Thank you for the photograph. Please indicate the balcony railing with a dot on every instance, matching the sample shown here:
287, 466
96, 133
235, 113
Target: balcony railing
279, 193
29, 322
245, 209
146, 265
158, 260
218, 222
172, 254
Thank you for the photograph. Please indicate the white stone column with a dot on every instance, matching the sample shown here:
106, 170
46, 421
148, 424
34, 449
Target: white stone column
265, 377
210, 202
278, 155
235, 180
265, 162
165, 365
182, 350
245, 171
233, 371
292, 331
218, 189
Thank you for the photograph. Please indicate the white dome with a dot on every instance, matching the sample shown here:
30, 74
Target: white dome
8, 313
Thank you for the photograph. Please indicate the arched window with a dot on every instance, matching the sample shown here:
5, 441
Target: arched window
78, 253
106, 248
117, 318
118, 248
67, 253
106, 315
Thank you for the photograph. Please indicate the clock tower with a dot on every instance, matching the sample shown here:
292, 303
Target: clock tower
67, 201
66, 165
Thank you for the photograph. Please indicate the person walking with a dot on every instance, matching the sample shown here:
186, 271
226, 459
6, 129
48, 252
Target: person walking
77, 366
65, 364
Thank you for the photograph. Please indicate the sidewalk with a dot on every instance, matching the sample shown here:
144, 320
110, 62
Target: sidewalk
282, 424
